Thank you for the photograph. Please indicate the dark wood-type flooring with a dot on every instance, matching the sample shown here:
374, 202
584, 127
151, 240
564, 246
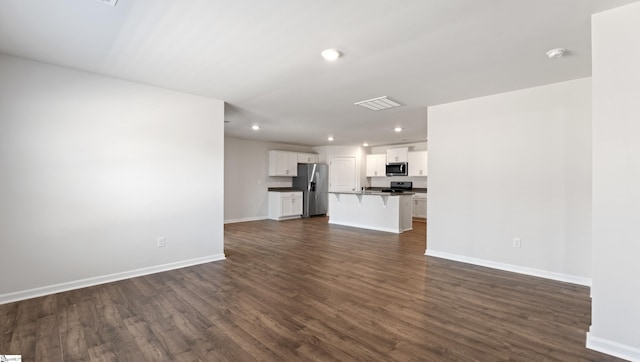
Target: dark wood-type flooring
305, 290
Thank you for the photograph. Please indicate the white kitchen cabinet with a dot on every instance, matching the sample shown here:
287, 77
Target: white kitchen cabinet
399, 154
285, 205
417, 163
420, 205
376, 165
308, 158
283, 163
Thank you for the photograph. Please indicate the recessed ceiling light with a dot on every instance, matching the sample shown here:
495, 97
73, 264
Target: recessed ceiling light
331, 54
398, 129
556, 53
255, 127
365, 144
330, 138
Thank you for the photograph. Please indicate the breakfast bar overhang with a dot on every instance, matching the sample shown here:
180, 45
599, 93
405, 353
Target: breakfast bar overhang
383, 211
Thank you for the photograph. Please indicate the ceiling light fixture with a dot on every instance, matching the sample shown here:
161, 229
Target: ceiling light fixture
398, 129
377, 104
331, 54
365, 144
330, 138
556, 53
255, 127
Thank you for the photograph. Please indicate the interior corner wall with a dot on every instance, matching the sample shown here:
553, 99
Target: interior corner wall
514, 165
246, 175
94, 169
615, 293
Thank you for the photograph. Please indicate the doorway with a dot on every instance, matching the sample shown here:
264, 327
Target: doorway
342, 174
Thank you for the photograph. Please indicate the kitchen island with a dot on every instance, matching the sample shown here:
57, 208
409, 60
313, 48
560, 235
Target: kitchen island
383, 211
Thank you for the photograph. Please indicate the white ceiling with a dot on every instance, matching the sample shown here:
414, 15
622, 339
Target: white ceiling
262, 57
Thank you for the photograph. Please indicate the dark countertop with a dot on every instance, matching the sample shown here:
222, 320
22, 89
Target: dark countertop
368, 189
414, 190
373, 192
282, 189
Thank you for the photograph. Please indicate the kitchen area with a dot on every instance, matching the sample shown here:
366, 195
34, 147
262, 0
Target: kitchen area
390, 197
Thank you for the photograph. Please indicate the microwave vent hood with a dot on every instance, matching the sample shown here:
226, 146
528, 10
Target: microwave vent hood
397, 169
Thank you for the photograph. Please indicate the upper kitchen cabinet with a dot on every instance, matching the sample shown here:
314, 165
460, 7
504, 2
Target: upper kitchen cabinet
283, 163
308, 158
417, 163
399, 154
376, 165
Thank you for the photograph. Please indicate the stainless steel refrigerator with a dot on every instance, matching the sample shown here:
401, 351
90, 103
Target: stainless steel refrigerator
313, 181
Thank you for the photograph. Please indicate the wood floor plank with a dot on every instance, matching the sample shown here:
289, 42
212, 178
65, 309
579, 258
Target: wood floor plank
305, 290
73, 343
47, 340
151, 348
23, 340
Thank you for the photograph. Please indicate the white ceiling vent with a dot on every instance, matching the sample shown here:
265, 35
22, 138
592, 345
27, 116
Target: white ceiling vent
378, 104
109, 2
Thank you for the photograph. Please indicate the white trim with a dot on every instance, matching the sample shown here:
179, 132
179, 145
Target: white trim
512, 268
612, 348
367, 226
245, 219
83, 283
290, 217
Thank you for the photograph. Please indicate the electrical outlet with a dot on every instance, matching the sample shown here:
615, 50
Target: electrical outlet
162, 242
517, 243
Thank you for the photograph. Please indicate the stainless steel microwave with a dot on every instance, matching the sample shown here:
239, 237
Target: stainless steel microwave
397, 169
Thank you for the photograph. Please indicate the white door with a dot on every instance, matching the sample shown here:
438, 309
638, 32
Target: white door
342, 172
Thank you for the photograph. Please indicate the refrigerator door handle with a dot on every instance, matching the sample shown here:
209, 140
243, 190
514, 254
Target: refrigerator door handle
313, 175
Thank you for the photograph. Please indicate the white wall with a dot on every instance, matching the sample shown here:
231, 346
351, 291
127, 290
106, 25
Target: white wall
246, 179
417, 146
511, 165
93, 169
615, 325
328, 152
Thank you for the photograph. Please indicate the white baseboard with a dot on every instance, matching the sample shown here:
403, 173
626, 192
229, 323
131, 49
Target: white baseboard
370, 227
612, 348
512, 268
83, 283
255, 218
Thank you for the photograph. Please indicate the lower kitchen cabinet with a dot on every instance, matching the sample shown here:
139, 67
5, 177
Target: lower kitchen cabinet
420, 205
285, 205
